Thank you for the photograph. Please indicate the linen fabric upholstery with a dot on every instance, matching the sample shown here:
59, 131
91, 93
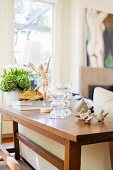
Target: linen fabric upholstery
103, 100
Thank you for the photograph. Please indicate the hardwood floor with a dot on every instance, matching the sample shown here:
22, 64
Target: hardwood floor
8, 143
3, 166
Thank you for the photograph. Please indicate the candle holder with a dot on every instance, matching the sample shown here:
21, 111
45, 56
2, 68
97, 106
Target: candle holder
60, 104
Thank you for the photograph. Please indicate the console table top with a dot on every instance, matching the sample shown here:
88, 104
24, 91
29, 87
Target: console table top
69, 128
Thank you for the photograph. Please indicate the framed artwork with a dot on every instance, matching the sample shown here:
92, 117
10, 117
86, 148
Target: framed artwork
99, 38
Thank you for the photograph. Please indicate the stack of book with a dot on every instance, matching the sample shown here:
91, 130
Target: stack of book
30, 105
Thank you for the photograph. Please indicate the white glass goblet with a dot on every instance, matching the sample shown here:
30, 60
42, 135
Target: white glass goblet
57, 104
60, 104
65, 87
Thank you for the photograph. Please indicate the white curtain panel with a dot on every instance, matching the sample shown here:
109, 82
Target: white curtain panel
6, 33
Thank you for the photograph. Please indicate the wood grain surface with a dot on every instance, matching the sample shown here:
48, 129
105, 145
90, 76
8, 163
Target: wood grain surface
69, 128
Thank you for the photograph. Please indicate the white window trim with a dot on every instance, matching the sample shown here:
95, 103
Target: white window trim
47, 1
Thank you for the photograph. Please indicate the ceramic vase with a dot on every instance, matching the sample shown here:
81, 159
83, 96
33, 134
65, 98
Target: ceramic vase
9, 97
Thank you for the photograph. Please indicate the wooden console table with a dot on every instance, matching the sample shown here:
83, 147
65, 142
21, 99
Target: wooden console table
70, 132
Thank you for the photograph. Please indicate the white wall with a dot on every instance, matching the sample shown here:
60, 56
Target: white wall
76, 43
68, 42
62, 41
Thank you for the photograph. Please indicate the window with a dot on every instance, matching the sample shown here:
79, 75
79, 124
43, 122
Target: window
33, 33
33, 25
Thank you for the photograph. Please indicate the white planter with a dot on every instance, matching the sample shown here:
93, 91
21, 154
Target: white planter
9, 97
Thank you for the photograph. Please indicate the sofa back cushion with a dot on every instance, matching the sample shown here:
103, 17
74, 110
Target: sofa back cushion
103, 100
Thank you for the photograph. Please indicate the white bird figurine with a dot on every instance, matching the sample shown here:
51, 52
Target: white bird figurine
101, 116
85, 116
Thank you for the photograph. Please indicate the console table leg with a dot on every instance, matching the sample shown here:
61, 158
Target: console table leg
72, 156
16, 141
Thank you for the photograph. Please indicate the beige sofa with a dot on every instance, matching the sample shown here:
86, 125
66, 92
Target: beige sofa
94, 157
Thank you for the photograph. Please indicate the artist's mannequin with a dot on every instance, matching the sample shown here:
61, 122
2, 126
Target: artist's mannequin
43, 74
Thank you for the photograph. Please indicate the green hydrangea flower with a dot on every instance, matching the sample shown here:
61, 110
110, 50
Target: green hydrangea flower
9, 83
15, 77
23, 82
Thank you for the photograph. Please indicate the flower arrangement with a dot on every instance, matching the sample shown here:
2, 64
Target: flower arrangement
15, 77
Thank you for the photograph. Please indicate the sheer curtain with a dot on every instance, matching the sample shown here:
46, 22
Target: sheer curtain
6, 33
